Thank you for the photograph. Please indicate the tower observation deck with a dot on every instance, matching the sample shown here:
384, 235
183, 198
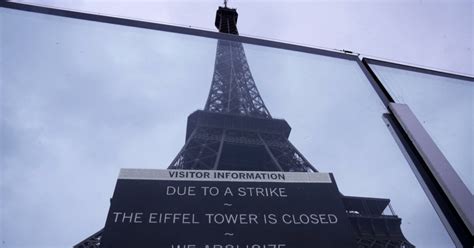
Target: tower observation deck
235, 131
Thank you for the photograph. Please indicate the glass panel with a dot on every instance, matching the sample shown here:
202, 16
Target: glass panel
80, 100
336, 120
444, 106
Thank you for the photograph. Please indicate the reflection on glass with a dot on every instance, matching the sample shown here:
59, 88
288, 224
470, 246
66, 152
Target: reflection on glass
80, 100
444, 106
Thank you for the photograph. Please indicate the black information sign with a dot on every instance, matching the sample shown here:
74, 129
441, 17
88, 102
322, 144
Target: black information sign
226, 209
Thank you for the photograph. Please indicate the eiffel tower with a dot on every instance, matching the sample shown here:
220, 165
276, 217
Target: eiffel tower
235, 131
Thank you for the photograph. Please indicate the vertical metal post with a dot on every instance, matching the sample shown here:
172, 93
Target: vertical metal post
450, 182
423, 156
443, 207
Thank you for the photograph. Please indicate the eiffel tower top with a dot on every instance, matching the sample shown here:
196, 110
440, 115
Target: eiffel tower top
226, 20
233, 88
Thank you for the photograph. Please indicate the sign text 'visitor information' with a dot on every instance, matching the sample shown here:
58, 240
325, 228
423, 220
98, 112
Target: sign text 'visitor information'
225, 209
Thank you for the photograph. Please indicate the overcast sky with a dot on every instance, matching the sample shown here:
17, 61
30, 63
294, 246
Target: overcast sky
430, 33
80, 100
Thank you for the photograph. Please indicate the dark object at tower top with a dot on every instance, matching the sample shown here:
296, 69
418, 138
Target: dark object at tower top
226, 20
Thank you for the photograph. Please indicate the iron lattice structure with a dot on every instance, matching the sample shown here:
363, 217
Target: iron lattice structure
222, 141
92, 241
235, 131
233, 89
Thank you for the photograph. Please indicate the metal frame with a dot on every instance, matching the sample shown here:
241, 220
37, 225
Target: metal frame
383, 94
174, 29
403, 124
449, 180
417, 69
442, 205
445, 190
